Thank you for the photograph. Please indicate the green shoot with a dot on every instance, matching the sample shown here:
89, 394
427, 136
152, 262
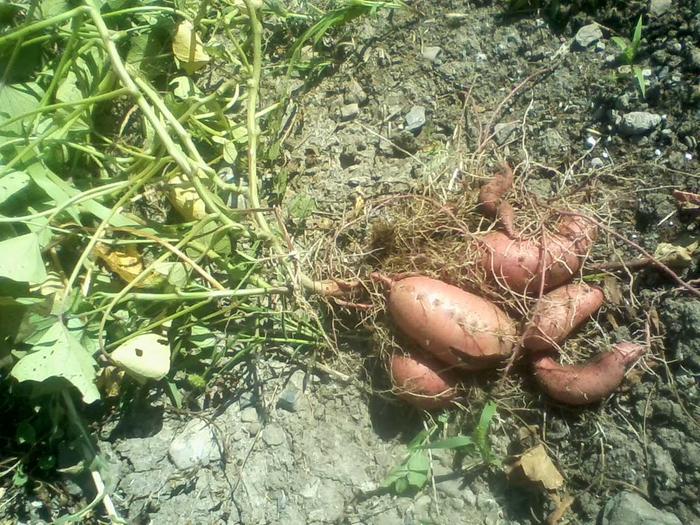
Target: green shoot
414, 471
349, 11
629, 51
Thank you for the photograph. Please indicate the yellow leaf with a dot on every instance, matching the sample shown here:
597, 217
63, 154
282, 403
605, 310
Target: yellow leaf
188, 48
126, 263
185, 199
146, 356
109, 382
673, 255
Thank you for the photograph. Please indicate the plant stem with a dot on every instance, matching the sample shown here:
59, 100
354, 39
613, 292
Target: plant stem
198, 296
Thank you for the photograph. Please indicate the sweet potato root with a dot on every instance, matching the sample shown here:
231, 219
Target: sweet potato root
491, 199
457, 327
516, 264
587, 383
421, 381
560, 312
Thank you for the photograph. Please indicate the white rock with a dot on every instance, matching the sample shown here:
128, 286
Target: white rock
639, 123
195, 446
588, 35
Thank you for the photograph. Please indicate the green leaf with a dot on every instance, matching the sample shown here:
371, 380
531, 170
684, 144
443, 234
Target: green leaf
637, 36
482, 429
401, 485
417, 479
16, 100
20, 478
49, 8
60, 191
202, 337
453, 442
26, 435
622, 43
21, 259
418, 462
12, 183
59, 354
641, 81
301, 206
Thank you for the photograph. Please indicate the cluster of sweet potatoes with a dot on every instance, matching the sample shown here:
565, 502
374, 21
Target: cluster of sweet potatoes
455, 330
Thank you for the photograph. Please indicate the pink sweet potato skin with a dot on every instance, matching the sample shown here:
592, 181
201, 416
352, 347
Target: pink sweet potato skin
491, 199
457, 327
587, 383
515, 264
560, 312
421, 381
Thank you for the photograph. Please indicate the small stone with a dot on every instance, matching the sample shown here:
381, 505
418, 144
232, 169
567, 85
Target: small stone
355, 93
247, 399
659, 7
253, 428
349, 111
639, 123
628, 508
195, 446
249, 414
290, 399
273, 435
503, 132
694, 57
588, 35
415, 119
431, 53
597, 163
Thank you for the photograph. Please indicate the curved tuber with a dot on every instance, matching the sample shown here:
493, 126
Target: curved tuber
421, 381
457, 327
587, 383
560, 312
491, 199
520, 265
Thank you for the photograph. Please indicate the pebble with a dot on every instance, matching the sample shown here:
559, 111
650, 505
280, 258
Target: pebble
639, 123
694, 56
659, 7
431, 53
249, 414
415, 119
503, 132
588, 35
629, 508
290, 399
195, 446
355, 93
597, 163
273, 435
349, 111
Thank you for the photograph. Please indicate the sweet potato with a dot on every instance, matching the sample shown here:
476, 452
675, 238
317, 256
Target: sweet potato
457, 327
422, 381
515, 264
559, 313
587, 383
491, 199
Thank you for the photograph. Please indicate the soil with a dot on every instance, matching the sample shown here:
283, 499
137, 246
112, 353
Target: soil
322, 457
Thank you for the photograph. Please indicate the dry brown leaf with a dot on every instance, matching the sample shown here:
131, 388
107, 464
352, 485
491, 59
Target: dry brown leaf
613, 292
537, 467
